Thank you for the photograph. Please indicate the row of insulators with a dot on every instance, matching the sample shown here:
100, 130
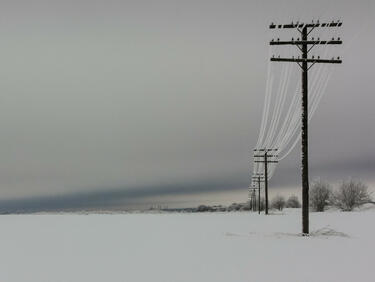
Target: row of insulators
312, 57
317, 22
278, 39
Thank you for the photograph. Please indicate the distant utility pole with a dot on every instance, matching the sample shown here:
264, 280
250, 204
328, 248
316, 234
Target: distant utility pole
266, 161
258, 178
305, 45
252, 198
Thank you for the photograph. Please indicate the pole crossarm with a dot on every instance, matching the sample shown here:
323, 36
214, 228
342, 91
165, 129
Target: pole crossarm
302, 25
308, 42
265, 150
261, 156
300, 60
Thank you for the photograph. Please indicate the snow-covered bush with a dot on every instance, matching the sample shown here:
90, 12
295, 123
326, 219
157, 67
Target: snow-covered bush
293, 202
319, 195
234, 207
204, 208
278, 202
350, 194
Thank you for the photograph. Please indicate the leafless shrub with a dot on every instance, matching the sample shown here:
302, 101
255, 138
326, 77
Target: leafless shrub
351, 194
319, 195
278, 203
293, 202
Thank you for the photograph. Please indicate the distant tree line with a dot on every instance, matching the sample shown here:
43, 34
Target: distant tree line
349, 195
346, 197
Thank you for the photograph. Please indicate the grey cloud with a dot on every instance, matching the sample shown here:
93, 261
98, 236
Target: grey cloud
138, 93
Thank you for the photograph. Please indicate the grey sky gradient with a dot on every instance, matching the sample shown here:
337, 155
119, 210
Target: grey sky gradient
161, 96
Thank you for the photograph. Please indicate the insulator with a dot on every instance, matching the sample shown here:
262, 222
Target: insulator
312, 38
313, 57
318, 57
278, 39
272, 40
338, 58
292, 38
338, 38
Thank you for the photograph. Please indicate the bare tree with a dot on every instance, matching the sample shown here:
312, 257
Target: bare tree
351, 194
293, 202
320, 193
278, 203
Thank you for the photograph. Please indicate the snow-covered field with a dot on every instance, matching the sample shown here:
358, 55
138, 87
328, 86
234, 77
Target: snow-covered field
187, 247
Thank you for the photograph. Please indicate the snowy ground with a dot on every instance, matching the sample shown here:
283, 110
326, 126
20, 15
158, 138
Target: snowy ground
187, 247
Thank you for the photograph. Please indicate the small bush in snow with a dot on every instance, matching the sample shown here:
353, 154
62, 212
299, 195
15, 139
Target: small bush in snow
319, 195
351, 194
204, 208
278, 203
234, 207
293, 202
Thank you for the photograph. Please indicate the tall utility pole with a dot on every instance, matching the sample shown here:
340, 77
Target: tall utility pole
254, 200
305, 45
266, 161
258, 178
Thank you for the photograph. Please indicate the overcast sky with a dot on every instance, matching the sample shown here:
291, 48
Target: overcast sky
126, 103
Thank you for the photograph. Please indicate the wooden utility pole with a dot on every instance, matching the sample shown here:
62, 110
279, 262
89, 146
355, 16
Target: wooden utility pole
258, 178
266, 161
258, 194
252, 198
305, 45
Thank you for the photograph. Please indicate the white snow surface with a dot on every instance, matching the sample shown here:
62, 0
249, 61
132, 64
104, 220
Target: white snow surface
240, 246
